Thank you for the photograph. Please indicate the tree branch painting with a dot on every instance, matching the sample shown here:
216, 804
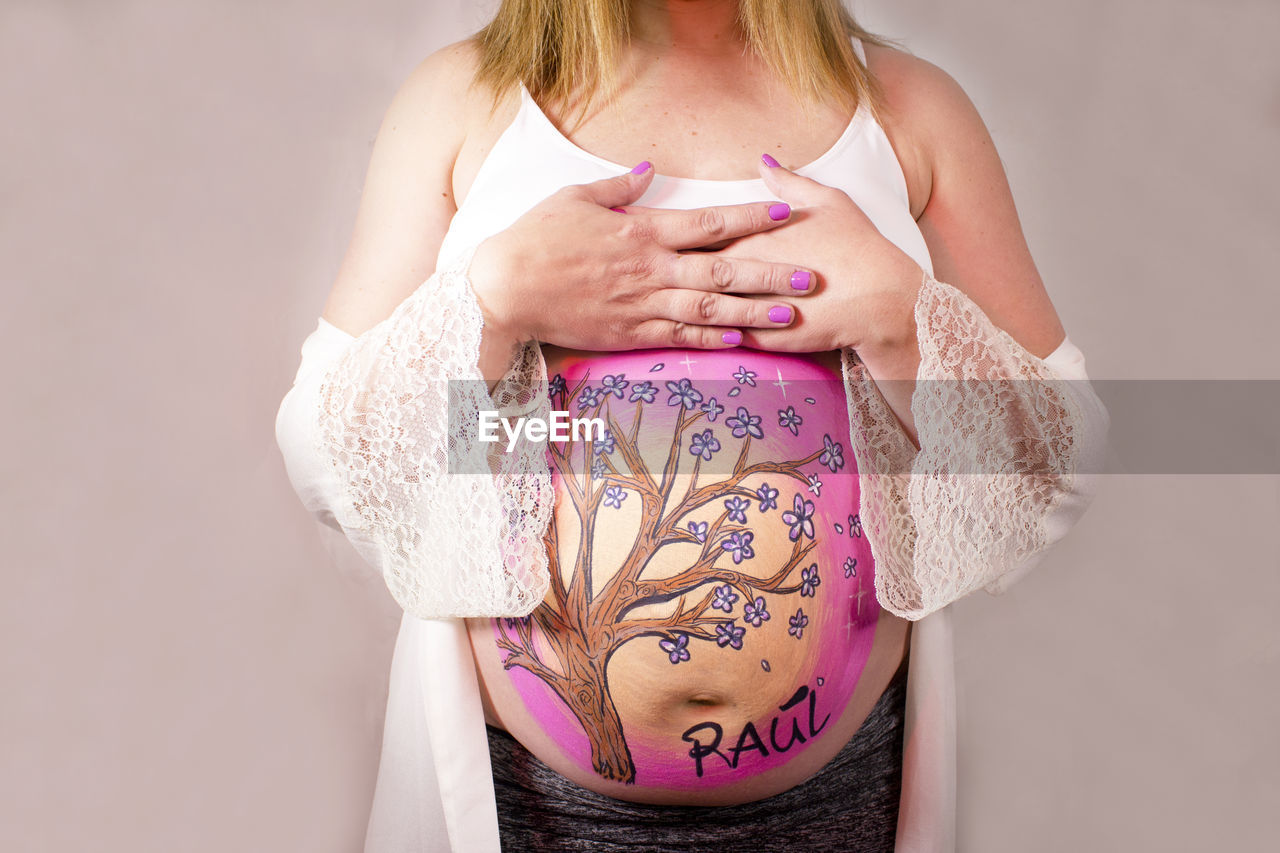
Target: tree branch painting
706, 476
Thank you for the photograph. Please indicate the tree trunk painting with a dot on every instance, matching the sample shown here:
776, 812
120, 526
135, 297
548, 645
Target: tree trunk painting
580, 626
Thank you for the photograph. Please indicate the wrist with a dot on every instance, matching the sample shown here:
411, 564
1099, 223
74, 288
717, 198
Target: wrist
490, 275
890, 336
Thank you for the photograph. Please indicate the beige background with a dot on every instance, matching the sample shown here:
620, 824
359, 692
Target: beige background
188, 666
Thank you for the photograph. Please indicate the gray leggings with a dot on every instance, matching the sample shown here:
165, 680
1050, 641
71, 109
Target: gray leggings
851, 804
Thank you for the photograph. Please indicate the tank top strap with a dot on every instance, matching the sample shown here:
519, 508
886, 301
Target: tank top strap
859, 49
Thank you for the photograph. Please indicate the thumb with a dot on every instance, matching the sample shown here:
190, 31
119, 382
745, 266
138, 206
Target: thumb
788, 186
621, 189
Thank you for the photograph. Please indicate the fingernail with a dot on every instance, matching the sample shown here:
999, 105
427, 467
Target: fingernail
779, 211
620, 210
641, 167
769, 161
800, 280
780, 314
733, 338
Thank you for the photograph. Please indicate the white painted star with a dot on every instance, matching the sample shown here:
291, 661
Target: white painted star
861, 592
781, 383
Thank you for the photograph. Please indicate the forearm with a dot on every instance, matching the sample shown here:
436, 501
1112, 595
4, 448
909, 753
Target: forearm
1001, 463
500, 343
380, 441
891, 354
893, 367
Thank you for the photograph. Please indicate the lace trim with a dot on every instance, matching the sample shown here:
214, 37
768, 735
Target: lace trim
398, 405
999, 433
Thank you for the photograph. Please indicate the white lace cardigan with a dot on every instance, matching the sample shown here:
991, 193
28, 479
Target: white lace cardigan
1011, 448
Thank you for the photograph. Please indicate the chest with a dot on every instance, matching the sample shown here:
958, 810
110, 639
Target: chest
707, 134
531, 158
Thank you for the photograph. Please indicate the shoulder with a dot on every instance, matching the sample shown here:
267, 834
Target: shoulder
961, 199
437, 96
443, 94
409, 191
929, 119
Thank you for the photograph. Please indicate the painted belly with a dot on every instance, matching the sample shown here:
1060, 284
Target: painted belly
712, 606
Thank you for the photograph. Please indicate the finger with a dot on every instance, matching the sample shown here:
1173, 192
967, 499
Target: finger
690, 229
786, 184
716, 273
773, 340
621, 189
699, 308
662, 333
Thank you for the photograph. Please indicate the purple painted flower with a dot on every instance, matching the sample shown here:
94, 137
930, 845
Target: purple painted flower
614, 496
729, 634
798, 623
755, 612
855, 526
598, 469
683, 394
768, 497
815, 485
788, 419
713, 408
704, 444
614, 384
745, 377
606, 444
800, 518
850, 567
643, 391
556, 385
832, 454
589, 397
677, 649
699, 530
737, 509
744, 424
809, 581
724, 598
739, 545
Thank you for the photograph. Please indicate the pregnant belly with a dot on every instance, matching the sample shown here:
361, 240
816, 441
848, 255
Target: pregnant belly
711, 634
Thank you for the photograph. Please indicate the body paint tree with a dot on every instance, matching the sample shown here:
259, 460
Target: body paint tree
584, 627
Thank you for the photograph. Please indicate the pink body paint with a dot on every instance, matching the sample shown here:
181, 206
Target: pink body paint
821, 632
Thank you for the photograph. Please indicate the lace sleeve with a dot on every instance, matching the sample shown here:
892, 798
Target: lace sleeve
1011, 450
393, 430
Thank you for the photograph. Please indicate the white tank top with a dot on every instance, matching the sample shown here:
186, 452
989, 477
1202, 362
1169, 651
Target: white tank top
532, 159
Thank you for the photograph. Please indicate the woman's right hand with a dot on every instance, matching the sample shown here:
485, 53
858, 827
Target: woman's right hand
577, 274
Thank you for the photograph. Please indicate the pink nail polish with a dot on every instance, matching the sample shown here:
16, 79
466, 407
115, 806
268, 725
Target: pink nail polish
780, 314
769, 161
733, 338
641, 167
779, 211
800, 280
620, 210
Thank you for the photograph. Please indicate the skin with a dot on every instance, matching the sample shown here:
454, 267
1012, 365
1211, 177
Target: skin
558, 704
437, 132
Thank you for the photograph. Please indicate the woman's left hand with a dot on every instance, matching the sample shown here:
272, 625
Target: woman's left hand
866, 290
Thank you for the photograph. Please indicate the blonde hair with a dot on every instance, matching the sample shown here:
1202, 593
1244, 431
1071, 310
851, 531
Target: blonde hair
567, 51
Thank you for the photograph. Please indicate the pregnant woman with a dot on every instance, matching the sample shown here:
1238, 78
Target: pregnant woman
716, 614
